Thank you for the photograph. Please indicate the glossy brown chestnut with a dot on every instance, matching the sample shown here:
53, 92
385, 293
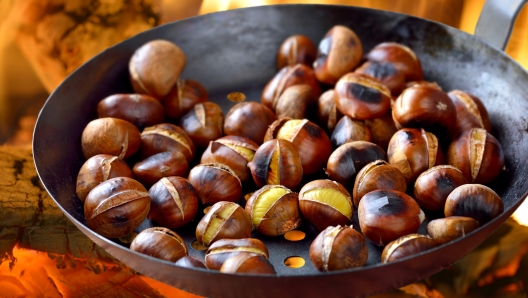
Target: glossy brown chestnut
327, 113
339, 52
215, 182
155, 67
386, 73
413, 151
110, 136
138, 109
362, 97
249, 120
165, 164
447, 229
386, 215
204, 123
434, 185
274, 210
348, 130
223, 220
325, 203
296, 49
183, 97
247, 263
477, 154
223, 249
474, 200
160, 243
402, 57
422, 83
173, 202
97, 169
234, 151
310, 140
405, 246
116, 207
382, 129
296, 102
190, 262
471, 112
166, 137
348, 159
338, 248
377, 175
277, 162
428, 108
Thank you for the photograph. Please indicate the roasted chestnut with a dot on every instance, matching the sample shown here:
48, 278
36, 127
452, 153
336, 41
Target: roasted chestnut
405, 246
386, 215
338, 248
434, 185
339, 52
161, 243
325, 203
348, 159
173, 202
402, 57
247, 263
277, 162
190, 262
215, 182
166, 137
138, 109
296, 49
477, 154
155, 67
386, 73
111, 136
223, 220
474, 200
377, 175
327, 113
382, 129
349, 130
274, 210
183, 97
204, 123
443, 230
165, 164
422, 83
471, 112
296, 102
97, 169
311, 142
249, 120
116, 207
223, 249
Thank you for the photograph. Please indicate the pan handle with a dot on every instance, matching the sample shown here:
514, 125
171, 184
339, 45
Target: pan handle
496, 21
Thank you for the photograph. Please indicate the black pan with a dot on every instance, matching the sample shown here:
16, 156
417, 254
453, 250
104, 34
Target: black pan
235, 51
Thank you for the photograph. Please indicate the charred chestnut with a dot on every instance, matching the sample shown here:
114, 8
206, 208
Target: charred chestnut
386, 73
443, 230
160, 243
471, 112
215, 182
349, 130
166, 137
474, 200
247, 263
223, 249
204, 123
405, 246
327, 113
296, 49
110, 136
375, 176
165, 164
296, 102
138, 109
183, 97
249, 120
402, 57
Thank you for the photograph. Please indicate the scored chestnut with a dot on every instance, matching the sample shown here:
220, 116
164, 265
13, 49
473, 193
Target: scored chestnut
166, 137
223, 249
405, 246
471, 112
474, 200
139, 109
160, 243
247, 263
402, 57
165, 164
350, 130
215, 182
377, 175
111, 136
203, 123
183, 97
296, 49
386, 73
296, 102
447, 229
327, 113
249, 120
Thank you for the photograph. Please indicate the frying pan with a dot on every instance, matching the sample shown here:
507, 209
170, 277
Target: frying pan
235, 51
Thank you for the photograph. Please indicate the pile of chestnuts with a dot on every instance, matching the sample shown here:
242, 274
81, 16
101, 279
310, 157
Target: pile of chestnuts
391, 145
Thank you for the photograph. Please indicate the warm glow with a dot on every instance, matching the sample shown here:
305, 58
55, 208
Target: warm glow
209, 6
521, 214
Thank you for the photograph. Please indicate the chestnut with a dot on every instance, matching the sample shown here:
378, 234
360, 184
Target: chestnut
401, 56
183, 97
362, 97
223, 249
247, 263
386, 73
138, 109
474, 200
428, 108
348, 159
274, 210
173, 202
386, 215
190, 262
296, 102
434, 185
214, 182
327, 113
350, 130
325, 203
116, 207
339, 52
277, 162
111, 136
296, 49
155, 67
161, 243
234, 151
447, 229
477, 154
204, 123
166, 137
471, 112
382, 129
310, 140
377, 175
165, 164
97, 169
405, 246
249, 120
422, 83
223, 220
338, 248
413, 151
